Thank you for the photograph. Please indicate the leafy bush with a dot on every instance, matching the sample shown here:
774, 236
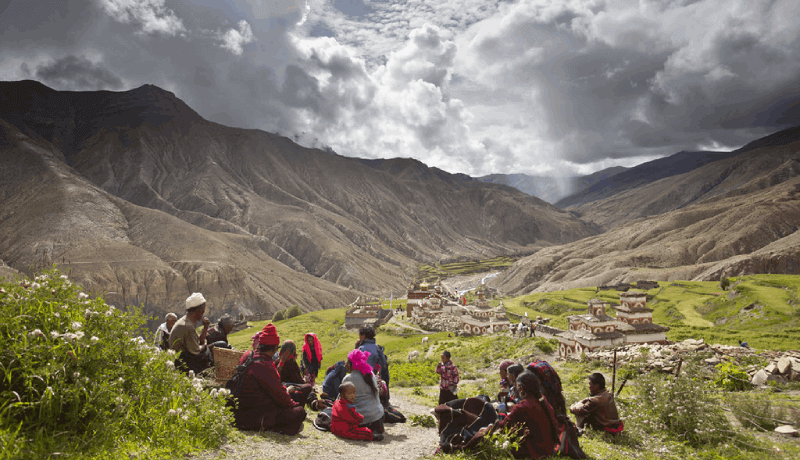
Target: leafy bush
293, 311
724, 283
499, 444
425, 421
78, 379
280, 315
731, 377
544, 345
682, 407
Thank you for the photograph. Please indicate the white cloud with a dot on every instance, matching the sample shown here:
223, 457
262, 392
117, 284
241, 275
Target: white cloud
151, 15
234, 39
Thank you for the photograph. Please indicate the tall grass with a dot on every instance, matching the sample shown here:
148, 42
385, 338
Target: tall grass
77, 380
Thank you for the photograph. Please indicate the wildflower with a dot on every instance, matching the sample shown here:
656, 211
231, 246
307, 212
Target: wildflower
54, 334
184, 417
179, 410
94, 338
79, 335
35, 286
505, 445
108, 313
63, 277
76, 325
191, 374
214, 393
76, 375
69, 336
82, 295
171, 412
57, 315
2, 291
35, 333
170, 364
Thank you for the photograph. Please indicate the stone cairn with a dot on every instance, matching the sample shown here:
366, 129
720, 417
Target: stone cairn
441, 323
784, 366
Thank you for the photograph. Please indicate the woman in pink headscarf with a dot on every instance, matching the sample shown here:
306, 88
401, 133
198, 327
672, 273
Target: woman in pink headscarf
312, 357
368, 401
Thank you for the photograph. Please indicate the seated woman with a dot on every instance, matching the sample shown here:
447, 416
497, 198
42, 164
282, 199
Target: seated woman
551, 387
286, 363
368, 402
513, 372
534, 418
504, 383
264, 403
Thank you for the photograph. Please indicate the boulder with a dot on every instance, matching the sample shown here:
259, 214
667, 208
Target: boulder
776, 378
787, 430
771, 369
713, 361
760, 378
784, 365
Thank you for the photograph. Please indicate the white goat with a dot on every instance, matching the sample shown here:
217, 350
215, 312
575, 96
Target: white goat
412, 355
424, 340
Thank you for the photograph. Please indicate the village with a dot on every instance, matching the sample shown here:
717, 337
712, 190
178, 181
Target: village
432, 307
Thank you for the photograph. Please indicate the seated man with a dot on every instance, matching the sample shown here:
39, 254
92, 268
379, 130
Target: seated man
218, 334
194, 355
599, 410
162, 333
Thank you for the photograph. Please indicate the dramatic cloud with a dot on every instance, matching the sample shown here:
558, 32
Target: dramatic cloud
234, 39
151, 15
475, 86
77, 73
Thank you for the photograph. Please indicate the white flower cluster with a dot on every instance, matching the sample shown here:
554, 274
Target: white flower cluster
220, 393
82, 295
36, 333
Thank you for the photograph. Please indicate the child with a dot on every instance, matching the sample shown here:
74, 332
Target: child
312, 358
345, 419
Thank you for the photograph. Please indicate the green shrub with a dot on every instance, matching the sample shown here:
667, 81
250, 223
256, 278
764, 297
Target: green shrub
293, 311
731, 377
280, 315
682, 407
78, 379
425, 421
724, 283
544, 345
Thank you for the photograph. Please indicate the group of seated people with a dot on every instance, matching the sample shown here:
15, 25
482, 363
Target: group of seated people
355, 394
530, 402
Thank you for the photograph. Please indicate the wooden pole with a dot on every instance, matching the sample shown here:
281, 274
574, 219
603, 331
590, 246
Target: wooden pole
678, 372
614, 374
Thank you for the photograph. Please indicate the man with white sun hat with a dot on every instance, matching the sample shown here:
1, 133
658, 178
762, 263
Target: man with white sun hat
193, 355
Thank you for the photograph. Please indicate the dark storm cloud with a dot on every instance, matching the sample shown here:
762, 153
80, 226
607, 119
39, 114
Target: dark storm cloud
77, 73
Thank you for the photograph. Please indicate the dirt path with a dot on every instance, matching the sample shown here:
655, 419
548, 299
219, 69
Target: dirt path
401, 442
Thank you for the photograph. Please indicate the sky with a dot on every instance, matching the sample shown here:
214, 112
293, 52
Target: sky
541, 87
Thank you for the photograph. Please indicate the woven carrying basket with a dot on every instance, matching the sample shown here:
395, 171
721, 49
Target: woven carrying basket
225, 362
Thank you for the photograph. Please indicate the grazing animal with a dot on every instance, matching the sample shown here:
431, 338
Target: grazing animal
424, 340
412, 355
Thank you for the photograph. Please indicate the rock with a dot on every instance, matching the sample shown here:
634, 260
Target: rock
760, 378
713, 361
795, 377
771, 368
776, 378
784, 365
787, 430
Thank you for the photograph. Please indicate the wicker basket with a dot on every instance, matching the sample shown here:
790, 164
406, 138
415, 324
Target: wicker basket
225, 362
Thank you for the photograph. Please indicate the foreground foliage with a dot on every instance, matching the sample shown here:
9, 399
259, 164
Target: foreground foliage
77, 380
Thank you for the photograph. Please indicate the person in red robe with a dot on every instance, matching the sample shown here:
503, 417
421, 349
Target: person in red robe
345, 419
264, 404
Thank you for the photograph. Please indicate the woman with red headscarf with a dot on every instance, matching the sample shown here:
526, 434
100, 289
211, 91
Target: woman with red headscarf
264, 403
312, 357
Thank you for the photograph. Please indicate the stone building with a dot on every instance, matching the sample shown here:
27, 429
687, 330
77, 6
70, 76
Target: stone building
596, 329
480, 319
366, 312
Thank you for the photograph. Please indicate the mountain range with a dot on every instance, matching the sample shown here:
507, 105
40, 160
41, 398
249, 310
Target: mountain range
139, 197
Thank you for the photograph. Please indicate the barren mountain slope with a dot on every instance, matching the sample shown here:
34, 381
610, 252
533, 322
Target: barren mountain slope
317, 213
49, 214
772, 164
737, 233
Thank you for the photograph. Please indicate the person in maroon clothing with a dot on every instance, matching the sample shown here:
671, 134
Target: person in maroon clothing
345, 419
264, 403
534, 416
